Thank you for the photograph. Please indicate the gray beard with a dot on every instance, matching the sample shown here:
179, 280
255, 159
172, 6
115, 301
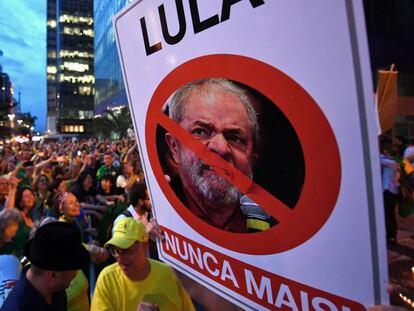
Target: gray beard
224, 194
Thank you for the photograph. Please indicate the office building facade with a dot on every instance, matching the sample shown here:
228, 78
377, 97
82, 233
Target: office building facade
70, 66
110, 90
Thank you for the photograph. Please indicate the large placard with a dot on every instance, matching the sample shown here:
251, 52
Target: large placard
256, 128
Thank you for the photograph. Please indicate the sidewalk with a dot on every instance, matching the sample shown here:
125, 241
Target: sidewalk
400, 262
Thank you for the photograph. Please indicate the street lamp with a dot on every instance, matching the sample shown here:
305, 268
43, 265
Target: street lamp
11, 117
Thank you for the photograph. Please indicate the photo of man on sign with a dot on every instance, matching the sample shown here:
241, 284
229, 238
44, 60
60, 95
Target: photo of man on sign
223, 116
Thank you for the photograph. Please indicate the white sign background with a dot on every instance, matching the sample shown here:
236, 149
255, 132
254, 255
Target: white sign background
322, 46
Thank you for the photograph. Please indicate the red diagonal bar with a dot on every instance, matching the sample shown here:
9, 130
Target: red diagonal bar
272, 205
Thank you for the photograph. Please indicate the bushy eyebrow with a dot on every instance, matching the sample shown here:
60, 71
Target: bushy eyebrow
210, 126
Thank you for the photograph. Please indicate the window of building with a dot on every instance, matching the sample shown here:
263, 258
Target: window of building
51, 69
87, 79
76, 31
74, 66
85, 90
51, 23
85, 114
51, 54
75, 54
73, 19
73, 128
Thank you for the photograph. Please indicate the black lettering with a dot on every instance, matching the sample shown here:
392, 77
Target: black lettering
148, 49
201, 25
225, 10
256, 3
181, 18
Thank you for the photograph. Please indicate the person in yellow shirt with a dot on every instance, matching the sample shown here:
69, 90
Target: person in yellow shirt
135, 280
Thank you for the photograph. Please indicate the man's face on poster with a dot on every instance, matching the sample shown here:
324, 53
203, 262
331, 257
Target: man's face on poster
220, 121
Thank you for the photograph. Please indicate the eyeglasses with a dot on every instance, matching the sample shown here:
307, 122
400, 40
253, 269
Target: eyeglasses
116, 252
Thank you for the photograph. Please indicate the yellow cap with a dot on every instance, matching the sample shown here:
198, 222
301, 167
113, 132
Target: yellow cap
126, 232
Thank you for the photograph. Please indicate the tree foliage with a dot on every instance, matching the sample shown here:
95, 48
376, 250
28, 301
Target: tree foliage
114, 123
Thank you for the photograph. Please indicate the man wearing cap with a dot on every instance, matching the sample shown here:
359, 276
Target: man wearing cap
55, 254
134, 280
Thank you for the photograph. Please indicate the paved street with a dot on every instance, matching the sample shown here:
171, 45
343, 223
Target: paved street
400, 262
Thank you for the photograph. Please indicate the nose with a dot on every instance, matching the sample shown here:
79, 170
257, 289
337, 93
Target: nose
219, 144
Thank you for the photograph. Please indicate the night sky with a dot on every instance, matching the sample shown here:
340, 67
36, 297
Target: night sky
23, 42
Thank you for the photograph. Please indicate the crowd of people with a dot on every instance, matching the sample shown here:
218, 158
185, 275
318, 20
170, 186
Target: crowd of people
62, 200
397, 160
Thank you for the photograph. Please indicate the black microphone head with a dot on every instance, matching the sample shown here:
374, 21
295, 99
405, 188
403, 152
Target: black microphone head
252, 210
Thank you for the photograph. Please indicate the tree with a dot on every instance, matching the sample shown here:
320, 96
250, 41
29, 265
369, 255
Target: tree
25, 121
115, 121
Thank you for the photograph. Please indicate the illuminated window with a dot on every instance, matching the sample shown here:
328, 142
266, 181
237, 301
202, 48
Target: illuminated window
51, 69
72, 19
72, 66
73, 128
76, 31
51, 77
85, 114
75, 54
88, 32
87, 79
51, 54
51, 23
85, 90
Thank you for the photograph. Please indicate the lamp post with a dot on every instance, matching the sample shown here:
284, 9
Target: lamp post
11, 118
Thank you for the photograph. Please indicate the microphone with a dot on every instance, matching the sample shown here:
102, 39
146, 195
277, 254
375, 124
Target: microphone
256, 217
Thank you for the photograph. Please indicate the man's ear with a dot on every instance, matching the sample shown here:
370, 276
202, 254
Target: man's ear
51, 276
173, 145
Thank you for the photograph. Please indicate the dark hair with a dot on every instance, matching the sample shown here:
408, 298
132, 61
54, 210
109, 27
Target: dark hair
109, 177
82, 176
7, 217
55, 184
19, 196
137, 192
36, 183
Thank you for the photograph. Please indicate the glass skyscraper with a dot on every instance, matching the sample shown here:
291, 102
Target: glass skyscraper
70, 66
110, 90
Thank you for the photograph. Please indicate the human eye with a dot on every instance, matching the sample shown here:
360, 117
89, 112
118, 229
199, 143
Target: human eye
200, 132
236, 139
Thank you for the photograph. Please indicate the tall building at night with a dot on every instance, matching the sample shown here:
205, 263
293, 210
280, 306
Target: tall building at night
390, 27
70, 66
110, 90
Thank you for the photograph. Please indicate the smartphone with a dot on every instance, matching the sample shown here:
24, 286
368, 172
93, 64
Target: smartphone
27, 164
79, 153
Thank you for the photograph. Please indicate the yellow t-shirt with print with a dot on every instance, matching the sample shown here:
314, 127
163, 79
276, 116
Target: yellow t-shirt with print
114, 291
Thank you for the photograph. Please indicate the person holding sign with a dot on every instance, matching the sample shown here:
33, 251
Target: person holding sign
135, 282
220, 115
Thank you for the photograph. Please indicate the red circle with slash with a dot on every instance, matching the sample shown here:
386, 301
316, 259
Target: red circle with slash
321, 155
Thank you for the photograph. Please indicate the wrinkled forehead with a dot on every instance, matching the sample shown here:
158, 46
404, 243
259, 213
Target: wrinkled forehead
212, 96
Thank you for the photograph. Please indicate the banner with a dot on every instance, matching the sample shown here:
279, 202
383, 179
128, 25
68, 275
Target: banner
257, 133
